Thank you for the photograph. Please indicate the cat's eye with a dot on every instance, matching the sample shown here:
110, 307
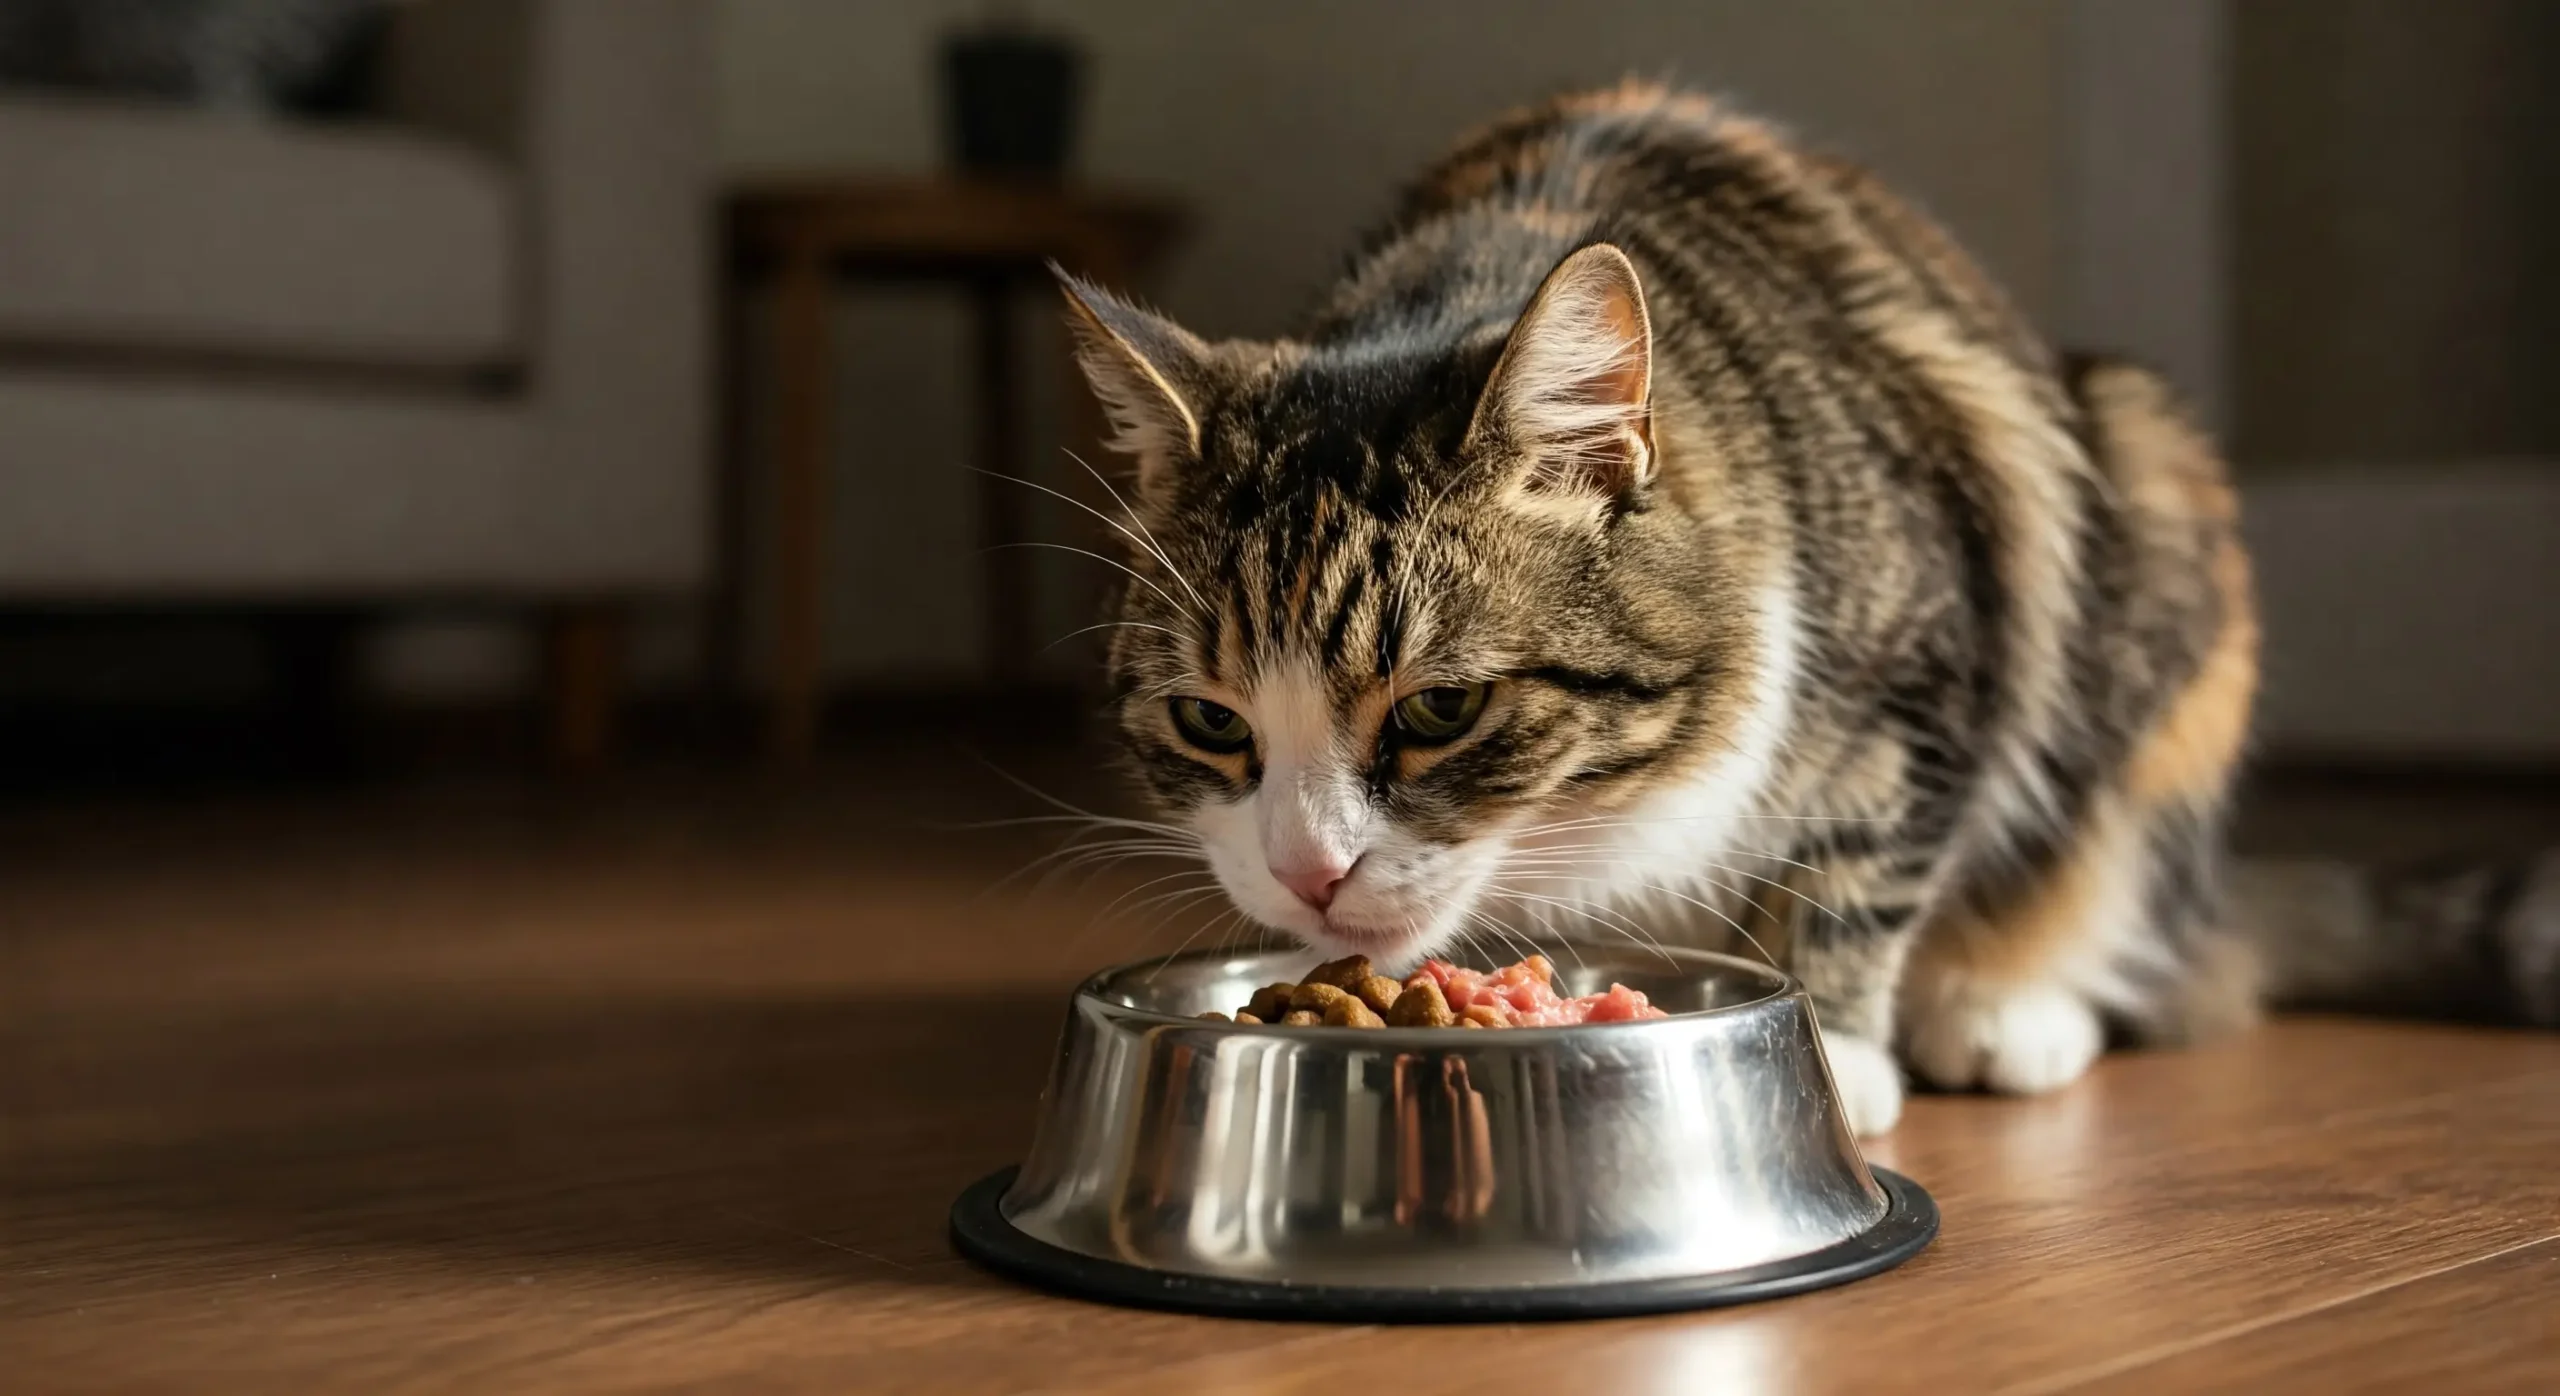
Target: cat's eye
1440, 714
1211, 726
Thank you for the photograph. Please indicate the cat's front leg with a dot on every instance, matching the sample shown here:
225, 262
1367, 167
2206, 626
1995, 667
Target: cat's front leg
1848, 947
1851, 963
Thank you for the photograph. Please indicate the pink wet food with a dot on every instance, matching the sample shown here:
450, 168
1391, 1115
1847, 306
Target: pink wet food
1524, 995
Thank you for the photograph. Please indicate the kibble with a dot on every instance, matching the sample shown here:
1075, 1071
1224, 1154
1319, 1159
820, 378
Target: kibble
1421, 1006
1349, 1012
1345, 974
1270, 1002
1319, 998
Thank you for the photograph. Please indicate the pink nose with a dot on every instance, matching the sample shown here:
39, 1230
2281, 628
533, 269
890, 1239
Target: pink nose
1314, 882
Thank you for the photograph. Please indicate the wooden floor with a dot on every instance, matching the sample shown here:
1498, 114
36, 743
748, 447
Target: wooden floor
496, 1093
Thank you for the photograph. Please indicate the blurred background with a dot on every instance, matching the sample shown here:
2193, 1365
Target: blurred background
511, 634
391, 388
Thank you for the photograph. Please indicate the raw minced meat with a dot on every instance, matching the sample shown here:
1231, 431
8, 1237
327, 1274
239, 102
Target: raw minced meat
1524, 995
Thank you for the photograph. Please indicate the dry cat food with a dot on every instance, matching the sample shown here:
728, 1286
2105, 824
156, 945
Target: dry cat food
1347, 994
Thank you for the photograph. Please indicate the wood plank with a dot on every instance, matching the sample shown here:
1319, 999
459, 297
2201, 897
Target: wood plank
2072, 1259
675, 1096
2488, 1327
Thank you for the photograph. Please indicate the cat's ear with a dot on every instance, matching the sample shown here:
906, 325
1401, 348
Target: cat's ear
1148, 372
1573, 390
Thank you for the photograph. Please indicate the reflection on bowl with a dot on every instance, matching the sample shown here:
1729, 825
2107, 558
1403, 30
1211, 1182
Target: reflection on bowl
1434, 1172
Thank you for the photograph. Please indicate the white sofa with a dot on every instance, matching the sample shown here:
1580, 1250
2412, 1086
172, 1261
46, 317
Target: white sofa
453, 355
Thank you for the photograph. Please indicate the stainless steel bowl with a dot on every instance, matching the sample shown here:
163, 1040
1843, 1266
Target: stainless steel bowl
1434, 1173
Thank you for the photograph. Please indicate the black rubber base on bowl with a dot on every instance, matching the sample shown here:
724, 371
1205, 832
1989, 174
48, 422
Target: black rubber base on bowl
979, 1229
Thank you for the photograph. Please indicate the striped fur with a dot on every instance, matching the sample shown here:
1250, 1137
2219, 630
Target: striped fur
1816, 598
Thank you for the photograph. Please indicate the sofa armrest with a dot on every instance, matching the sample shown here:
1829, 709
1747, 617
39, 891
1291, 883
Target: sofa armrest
605, 108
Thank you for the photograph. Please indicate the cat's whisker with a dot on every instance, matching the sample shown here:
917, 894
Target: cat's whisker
1592, 911
1231, 930
1077, 876
1511, 946
1137, 519
1747, 900
1553, 853
1136, 845
1111, 625
1081, 847
1469, 925
1764, 857
1541, 859
1115, 903
1134, 574
1176, 952
1710, 909
1070, 855
1176, 903
1147, 543
1148, 837
1568, 943
1067, 809
1093, 925
1092, 858
1602, 821
1595, 909
1501, 934
1092, 820
1177, 898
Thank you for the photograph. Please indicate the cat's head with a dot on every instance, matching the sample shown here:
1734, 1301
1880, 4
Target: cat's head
1402, 597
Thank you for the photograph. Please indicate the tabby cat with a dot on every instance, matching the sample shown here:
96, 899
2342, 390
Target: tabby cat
1663, 528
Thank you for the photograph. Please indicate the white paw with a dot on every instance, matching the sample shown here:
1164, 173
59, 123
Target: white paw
1870, 1084
2021, 1043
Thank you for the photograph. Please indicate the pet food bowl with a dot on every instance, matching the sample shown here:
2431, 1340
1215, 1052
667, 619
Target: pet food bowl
1432, 1174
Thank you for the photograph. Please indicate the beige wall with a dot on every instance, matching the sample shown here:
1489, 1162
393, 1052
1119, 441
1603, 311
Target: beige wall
2396, 342
1287, 125
2397, 294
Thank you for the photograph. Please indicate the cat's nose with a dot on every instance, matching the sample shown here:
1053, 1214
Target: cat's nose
1315, 879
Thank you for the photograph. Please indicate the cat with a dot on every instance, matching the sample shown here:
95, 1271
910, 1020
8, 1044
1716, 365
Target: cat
1664, 524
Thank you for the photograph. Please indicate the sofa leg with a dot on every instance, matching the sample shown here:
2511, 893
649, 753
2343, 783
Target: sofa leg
583, 647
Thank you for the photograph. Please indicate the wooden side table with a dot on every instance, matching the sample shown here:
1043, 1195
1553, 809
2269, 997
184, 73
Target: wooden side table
809, 236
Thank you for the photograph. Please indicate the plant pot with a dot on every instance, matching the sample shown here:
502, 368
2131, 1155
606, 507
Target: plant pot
1010, 102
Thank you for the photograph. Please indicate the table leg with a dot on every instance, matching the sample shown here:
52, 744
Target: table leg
726, 663
583, 644
1003, 505
801, 364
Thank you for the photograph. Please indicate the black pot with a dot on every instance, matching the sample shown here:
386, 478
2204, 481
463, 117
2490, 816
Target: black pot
1009, 102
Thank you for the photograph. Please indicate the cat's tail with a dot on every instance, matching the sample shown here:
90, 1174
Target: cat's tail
2477, 942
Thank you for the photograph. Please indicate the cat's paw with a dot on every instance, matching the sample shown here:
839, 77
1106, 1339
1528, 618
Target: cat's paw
1870, 1084
2023, 1042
